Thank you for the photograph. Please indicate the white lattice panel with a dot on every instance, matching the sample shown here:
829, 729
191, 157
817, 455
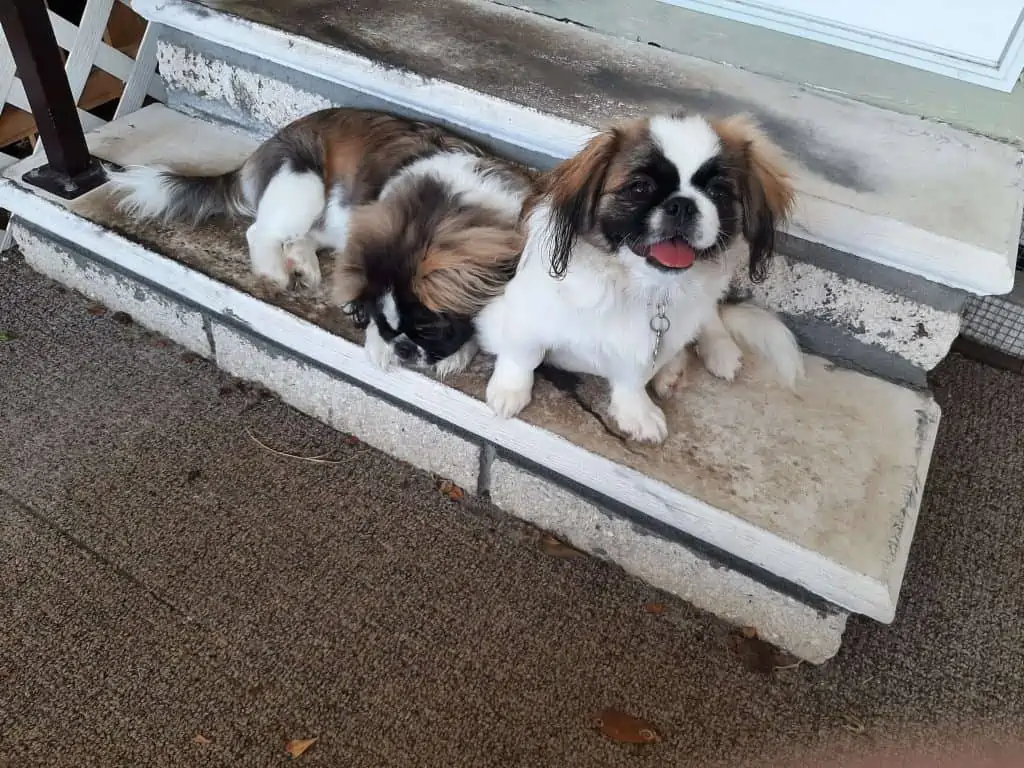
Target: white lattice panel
86, 49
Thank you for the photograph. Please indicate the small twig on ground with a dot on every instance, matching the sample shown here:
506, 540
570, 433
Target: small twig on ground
319, 459
794, 665
853, 725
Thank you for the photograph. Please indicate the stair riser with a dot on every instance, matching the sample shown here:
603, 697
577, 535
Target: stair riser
858, 313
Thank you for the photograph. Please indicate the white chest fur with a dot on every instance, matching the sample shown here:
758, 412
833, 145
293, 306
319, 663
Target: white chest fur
600, 318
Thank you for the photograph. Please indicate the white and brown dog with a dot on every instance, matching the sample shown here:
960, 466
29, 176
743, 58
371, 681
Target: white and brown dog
422, 221
630, 250
421, 262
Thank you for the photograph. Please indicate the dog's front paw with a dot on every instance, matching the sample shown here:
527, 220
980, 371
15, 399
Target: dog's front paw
457, 363
507, 401
379, 351
721, 356
638, 416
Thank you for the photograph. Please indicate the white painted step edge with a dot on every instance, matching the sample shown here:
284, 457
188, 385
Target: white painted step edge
829, 580
846, 229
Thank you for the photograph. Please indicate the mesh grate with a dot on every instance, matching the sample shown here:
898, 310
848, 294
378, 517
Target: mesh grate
996, 322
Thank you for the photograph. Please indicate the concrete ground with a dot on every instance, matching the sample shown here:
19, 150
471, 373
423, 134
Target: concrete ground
177, 590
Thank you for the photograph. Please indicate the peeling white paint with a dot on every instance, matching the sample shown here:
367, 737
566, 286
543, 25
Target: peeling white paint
920, 334
267, 100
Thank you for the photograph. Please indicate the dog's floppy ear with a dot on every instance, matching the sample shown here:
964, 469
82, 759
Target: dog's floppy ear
466, 266
575, 186
766, 190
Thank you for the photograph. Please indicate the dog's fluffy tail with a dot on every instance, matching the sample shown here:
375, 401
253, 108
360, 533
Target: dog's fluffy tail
159, 193
763, 332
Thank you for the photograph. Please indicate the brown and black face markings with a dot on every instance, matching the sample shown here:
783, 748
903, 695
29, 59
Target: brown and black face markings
764, 186
574, 188
422, 263
608, 192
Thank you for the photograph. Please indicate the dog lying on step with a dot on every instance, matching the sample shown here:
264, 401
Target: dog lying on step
435, 241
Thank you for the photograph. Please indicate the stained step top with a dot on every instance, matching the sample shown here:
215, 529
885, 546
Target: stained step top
894, 189
819, 488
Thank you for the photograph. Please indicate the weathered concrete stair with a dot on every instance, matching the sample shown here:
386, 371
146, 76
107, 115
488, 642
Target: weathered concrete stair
808, 500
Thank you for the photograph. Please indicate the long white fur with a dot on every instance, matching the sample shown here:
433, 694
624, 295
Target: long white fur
597, 319
145, 191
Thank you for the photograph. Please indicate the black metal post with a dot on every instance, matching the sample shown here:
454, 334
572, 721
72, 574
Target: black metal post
70, 171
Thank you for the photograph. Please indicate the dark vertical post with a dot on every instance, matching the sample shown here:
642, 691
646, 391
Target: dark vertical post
70, 171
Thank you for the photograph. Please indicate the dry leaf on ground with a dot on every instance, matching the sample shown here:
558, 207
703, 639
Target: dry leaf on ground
451, 490
96, 310
656, 608
200, 739
623, 727
296, 747
552, 546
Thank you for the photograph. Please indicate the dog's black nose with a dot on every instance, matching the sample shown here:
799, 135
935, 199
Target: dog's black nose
405, 349
680, 209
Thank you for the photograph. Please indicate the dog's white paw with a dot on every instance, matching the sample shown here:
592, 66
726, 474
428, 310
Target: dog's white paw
458, 362
266, 258
300, 258
638, 416
507, 402
273, 273
379, 351
507, 398
721, 356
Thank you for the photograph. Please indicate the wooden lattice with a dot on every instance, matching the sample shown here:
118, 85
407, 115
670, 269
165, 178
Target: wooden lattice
110, 58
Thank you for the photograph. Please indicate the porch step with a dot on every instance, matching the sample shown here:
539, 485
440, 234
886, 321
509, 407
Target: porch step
808, 499
898, 218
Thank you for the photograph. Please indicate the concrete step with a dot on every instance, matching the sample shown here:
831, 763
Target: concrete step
775, 509
898, 218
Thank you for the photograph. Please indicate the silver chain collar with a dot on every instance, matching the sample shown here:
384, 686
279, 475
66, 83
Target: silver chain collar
660, 325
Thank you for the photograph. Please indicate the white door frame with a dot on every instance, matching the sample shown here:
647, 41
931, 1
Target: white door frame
1001, 75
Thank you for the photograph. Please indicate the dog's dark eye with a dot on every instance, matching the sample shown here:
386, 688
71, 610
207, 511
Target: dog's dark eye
641, 187
718, 189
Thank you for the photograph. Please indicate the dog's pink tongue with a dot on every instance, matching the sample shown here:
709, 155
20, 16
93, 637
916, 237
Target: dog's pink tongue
673, 253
